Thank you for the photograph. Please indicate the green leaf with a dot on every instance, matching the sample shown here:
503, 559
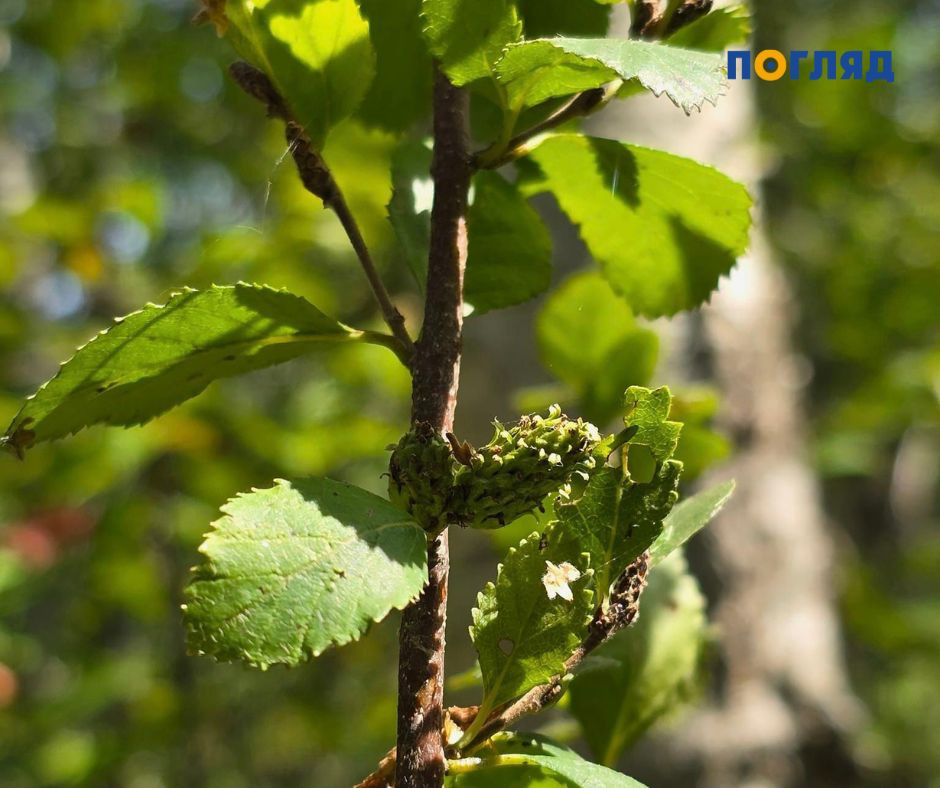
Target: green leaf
317, 53
161, 356
588, 338
514, 750
648, 411
409, 210
688, 78
509, 248
563, 17
715, 31
646, 671
524, 628
507, 776
298, 567
509, 258
468, 36
534, 71
688, 518
616, 519
663, 228
400, 94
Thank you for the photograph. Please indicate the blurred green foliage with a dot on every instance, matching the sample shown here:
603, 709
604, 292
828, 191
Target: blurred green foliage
129, 166
853, 206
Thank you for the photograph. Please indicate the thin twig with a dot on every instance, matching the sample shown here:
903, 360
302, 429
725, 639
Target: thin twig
318, 180
652, 20
382, 777
391, 314
686, 14
577, 107
647, 16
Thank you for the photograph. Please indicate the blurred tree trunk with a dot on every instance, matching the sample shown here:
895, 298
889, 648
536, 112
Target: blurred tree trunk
782, 705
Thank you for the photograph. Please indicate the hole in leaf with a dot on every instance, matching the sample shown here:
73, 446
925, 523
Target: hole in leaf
642, 464
506, 646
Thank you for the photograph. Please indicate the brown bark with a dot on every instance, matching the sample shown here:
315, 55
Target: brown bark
436, 373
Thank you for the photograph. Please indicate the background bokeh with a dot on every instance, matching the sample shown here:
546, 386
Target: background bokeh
131, 166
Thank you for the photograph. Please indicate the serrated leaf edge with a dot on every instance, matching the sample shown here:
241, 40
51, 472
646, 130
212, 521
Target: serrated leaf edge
685, 107
741, 246
476, 613
9, 442
305, 654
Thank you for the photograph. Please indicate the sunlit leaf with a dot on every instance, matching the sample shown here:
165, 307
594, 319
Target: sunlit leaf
503, 776
664, 229
161, 356
298, 567
506, 758
647, 410
534, 71
468, 36
317, 53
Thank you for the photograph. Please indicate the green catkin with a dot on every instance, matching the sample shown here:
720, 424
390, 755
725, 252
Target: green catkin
521, 465
421, 476
491, 486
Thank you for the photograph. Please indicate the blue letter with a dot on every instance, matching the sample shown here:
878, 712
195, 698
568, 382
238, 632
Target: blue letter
796, 57
852, 64
879, 66
829, 56
734, 57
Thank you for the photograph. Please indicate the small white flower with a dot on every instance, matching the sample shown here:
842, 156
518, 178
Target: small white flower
554, 459
556, 579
